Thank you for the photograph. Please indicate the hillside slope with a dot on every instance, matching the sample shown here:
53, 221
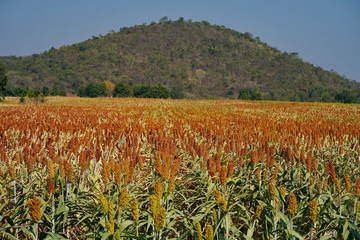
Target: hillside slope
199, 59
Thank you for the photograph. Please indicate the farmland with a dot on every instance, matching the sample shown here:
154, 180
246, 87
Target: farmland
107, 168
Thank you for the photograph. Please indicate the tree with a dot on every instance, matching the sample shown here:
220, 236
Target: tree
109, 87
82, 91
3, 81
92, 90
177, 92
123, 90
36, 96
58, 92
164, 19
142, 91
345, 97
159, 91
250, 94
45, 91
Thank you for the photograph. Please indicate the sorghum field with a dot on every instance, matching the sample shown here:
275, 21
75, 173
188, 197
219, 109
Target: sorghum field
105, 168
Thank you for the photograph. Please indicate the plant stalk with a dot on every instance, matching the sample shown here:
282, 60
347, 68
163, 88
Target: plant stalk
36, 226
311, 231
15, 191
53, 214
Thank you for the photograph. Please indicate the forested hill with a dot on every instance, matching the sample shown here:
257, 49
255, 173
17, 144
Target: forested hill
191, 59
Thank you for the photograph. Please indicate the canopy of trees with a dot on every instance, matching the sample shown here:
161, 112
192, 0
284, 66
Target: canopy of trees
3, 80
124, 90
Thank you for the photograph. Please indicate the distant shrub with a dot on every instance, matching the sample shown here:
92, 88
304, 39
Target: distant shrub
250, 94
123, 90
92, 90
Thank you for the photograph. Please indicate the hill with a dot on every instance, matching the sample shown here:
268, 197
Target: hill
195, 59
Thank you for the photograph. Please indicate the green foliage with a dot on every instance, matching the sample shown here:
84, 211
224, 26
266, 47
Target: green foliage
58, 92
345, 96
3, 80
34, 96
92, 90
177, 93
158, 91
22, 99
250, 94
46, 91
203, 60
17, 92
142, 91
123, 90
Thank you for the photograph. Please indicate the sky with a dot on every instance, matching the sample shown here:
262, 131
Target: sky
325, 33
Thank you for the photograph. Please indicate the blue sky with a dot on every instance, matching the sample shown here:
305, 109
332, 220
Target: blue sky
325, 33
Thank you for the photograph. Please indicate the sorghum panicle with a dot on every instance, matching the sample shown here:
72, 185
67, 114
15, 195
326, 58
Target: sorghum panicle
313, 210
223, 175
104, 171
230, 169
259, 209
223, 205
50, 169
135, 210
332, 171
357, 188
347, 182
103, 202
283, 191
35, 211
158, 189
337, 185
110, 223
50, 186
171, 184
124, 198
217, 196
160, 218
62, 170
12, 172
292, 205
271, 189
258, 174
209, 235
198, 231
325, 185
154, 205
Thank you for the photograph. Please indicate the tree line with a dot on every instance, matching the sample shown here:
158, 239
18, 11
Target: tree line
122, 89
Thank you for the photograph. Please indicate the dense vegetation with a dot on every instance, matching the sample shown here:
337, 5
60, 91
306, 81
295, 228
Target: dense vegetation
127, 168
123, 90
191, 59
3, 81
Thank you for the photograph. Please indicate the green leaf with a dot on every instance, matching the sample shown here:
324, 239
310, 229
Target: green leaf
325, 237
105, 236
198, 218
26, 231
294, 233
125, 224
209, 191
345, 232
183, 235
